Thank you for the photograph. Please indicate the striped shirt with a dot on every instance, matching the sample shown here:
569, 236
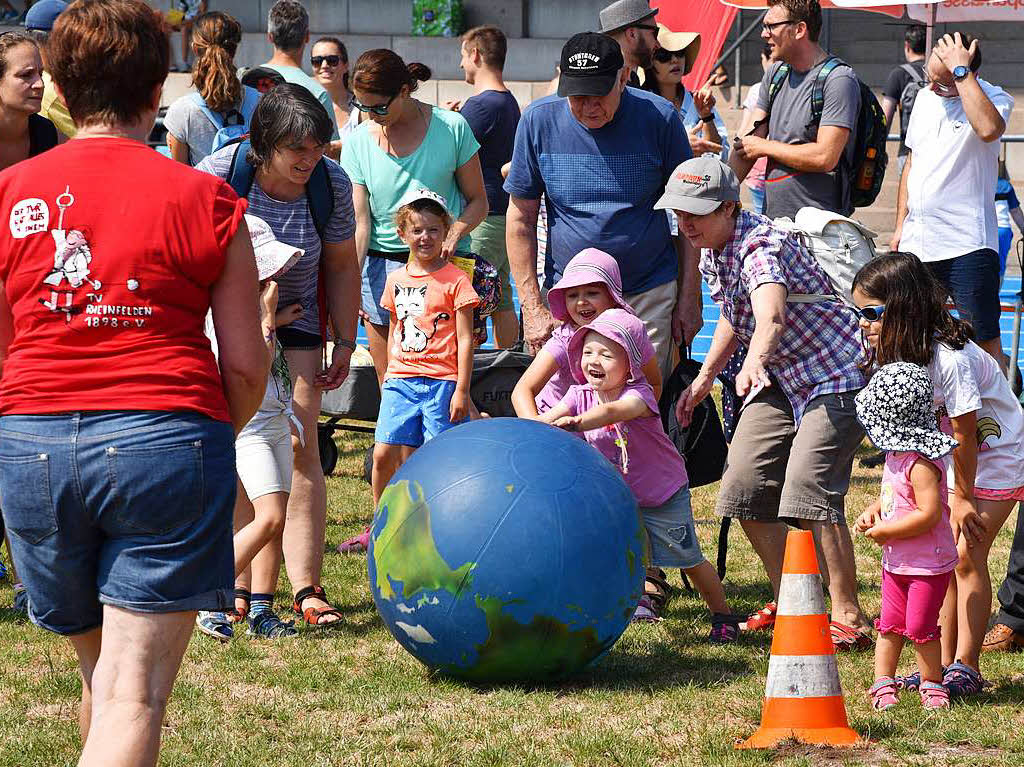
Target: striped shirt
293, 224
821, 350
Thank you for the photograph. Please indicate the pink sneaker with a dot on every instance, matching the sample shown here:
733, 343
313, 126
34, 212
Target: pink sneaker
357, 545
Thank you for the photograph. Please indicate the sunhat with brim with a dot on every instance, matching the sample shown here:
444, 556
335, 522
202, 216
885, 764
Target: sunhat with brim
413, 195
620, 326
699, 186
897, 412
273, 257
586, 268
688, 42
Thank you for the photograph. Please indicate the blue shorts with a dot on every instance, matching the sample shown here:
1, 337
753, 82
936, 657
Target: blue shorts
972, 281
1005, 241
375, 273
671, 532
130, 509
413, 410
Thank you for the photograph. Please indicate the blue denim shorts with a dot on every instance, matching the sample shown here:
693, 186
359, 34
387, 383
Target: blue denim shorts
671, 532
375, 273
413, 410
973, 283
130, 509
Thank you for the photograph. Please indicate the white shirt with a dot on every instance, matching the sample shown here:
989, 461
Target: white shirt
950, 209
970, 381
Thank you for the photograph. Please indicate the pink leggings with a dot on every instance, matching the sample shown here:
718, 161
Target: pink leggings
911, 604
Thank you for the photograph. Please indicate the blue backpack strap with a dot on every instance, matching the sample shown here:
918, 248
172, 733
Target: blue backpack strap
818, 89
776, 84
212, 116
320, 196
240, 172
250, 98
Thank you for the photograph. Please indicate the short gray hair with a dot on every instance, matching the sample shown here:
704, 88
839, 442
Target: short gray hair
287, 25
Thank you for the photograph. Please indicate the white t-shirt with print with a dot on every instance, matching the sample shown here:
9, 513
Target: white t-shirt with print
969, 380
950, 207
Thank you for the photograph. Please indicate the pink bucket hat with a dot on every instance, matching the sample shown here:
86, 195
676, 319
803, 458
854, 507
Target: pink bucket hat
586, 268
620, 326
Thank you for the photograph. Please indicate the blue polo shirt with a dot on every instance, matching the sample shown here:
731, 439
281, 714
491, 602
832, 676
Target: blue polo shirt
601, 185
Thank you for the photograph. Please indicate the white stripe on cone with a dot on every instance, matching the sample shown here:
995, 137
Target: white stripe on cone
801, 595
802, 676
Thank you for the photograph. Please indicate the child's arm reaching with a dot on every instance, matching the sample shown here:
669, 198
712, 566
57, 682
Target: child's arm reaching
464, 341
524, 395
561, 410
624, 409
928, 482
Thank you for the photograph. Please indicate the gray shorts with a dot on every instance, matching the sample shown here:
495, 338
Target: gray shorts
774, 472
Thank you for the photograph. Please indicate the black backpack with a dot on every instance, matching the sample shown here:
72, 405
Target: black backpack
702, 443
495, 374
867, 171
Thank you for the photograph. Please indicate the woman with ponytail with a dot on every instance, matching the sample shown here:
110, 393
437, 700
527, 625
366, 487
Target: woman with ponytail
406, 145
193, 121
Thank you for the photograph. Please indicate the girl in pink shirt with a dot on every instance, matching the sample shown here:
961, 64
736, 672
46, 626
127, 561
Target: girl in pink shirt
616, 410
911, 524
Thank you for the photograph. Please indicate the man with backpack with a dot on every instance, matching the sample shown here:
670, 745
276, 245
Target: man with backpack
810, 121
945, 212
904, 83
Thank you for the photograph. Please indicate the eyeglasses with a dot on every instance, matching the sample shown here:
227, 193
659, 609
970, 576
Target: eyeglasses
770, 28
332, 61
664, 57
871, 313
377, 109
948, 89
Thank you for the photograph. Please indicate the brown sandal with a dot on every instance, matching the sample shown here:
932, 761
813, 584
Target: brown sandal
657, 588
312, 616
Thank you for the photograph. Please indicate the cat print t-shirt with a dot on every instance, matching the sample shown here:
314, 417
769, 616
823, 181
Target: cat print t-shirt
423, 311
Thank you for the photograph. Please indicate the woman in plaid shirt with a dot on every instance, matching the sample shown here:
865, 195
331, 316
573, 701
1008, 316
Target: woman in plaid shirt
792, 453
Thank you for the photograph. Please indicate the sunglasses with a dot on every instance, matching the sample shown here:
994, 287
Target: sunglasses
377, 109
664, 57
871, 313
648, 27
332, 60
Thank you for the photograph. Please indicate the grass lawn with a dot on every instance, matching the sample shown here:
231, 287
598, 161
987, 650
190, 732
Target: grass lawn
352, 696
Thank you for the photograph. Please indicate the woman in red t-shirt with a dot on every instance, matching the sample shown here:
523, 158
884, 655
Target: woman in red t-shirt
116, 426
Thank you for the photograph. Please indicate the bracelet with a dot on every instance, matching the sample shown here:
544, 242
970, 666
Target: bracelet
709, 119
350, 345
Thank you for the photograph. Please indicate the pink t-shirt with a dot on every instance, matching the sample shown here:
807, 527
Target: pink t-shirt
931, 553
654, 469
558, 347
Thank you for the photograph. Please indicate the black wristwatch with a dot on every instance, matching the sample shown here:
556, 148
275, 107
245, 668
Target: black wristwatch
344, 342
709, 119
960, 72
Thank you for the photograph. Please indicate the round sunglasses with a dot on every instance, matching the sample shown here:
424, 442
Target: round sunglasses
871, 313
332, 60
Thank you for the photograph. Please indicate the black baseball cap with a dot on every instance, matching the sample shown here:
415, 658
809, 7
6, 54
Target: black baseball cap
590, 65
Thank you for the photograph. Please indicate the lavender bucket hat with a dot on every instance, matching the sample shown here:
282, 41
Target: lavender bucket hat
620, 326
586, 268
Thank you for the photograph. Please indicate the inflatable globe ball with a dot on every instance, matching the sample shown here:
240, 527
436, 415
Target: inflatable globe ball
506, 549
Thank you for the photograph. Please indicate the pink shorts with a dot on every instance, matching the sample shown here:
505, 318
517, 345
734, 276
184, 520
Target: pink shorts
1014, 494
911, 604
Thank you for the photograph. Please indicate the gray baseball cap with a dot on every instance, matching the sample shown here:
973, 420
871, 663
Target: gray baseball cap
699, 186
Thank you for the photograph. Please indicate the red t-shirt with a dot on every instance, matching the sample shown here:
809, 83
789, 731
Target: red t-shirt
107, 260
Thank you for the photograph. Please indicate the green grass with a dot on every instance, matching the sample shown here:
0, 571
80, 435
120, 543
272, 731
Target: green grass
663, 696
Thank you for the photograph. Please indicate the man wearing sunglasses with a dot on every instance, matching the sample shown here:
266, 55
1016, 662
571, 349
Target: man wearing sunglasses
288, 32
945, 213
804, 154
631, 24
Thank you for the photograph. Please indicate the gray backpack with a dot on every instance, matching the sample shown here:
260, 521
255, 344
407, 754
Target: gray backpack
909, 95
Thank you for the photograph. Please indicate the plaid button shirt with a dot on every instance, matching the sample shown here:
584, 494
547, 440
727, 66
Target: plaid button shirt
821, 350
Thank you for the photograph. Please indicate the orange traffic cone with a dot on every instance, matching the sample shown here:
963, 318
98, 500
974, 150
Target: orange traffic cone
802, 699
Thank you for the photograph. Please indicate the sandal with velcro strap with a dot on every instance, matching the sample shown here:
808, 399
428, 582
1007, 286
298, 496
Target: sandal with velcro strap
313, 616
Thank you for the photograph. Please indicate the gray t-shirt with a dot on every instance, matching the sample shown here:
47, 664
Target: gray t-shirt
188, 123
788, 190
292, 223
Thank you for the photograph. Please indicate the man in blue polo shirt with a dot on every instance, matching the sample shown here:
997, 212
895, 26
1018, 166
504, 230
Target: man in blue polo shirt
600, 153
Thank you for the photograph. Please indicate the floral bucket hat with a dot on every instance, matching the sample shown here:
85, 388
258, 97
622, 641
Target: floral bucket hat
896, 410
620, 326
586, 268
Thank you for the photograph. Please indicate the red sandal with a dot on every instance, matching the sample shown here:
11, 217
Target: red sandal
762, 619
312, 616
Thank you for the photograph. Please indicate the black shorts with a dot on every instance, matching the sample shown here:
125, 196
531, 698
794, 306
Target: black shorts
299, 339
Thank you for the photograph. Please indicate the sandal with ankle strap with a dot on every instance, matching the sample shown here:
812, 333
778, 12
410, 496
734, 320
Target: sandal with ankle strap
312, 616
884, 693
238, 614
934, 695
657, 588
